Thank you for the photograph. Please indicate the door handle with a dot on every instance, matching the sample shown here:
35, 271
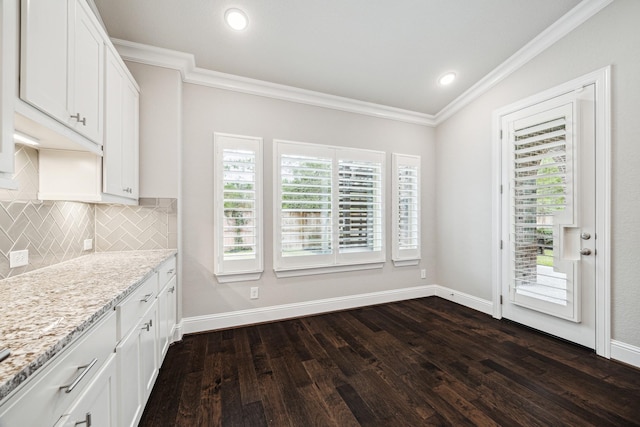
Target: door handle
585, 251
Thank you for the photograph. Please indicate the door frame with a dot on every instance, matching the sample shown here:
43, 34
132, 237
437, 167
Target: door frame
602, 80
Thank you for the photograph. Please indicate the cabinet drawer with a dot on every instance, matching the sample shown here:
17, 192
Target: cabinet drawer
166, 271
131, 309
58, 384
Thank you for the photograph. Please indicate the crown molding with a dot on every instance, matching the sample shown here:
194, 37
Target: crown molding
185, 63
563, 26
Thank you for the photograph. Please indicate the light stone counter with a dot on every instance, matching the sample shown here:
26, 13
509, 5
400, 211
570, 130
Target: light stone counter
43, 311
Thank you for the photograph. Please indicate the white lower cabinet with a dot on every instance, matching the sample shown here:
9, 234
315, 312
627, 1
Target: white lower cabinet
137, 368
64, 381
96, 406
105, 377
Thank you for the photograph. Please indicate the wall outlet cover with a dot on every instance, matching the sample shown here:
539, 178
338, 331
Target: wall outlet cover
88, 244
423, 274
253, 293
18, 258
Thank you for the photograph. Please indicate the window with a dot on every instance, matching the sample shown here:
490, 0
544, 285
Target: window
406, 209
238, 207
329, 206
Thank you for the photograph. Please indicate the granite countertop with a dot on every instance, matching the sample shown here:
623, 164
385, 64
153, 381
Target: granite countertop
43, 311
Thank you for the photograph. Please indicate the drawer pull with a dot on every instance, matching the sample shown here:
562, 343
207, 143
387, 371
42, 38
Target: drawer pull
146, 297
170, 272
69, 388
87, 420
172, 289
148, 325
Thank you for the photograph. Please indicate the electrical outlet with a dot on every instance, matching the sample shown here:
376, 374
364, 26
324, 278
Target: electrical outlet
88, 244
423, 274
253, 293
18, 258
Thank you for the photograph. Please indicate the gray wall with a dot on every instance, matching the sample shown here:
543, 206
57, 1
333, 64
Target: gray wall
463, 192
207, 110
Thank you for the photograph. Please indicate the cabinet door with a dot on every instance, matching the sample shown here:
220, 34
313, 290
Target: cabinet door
8, 79
96, 406
166, 317
130, 163
113, 141
120, 162
129, 379
148, 351
86, 75
44, 55
137, 368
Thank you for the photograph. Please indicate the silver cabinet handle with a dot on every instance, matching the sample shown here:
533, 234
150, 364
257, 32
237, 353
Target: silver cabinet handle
86, 368
585, 251
170, 272
87, 420
148, 325
172, 289
77, 117
146, 298
128, 190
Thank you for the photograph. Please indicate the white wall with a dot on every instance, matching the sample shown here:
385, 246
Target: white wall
207, 110
463, 191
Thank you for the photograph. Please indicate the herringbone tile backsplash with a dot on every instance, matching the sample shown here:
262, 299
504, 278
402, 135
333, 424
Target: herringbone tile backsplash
55, 231
153, 225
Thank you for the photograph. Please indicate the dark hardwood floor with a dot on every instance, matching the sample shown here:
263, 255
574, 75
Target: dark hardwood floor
413, 363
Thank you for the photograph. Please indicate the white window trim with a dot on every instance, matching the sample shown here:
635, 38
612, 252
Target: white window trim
404, 257
236, 270
334, 262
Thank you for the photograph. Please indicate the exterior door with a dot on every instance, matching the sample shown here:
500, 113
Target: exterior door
548, 216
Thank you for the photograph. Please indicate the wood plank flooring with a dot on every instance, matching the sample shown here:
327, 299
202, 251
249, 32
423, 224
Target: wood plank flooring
412, 363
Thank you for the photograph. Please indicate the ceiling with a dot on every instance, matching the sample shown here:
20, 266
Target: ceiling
388, 52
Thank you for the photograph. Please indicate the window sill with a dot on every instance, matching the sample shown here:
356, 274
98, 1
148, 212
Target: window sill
309, 271
405, 262
238, 277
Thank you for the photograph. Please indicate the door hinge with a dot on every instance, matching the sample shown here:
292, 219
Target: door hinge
500, 133
500, 299
501, 244
501, 189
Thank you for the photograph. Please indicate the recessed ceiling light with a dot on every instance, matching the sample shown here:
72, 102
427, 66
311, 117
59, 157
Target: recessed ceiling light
447, 79
236, 19
25, 139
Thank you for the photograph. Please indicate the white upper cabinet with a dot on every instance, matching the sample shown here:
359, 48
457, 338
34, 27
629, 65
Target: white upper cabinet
86, 85
120, 162
62, 67
7, 90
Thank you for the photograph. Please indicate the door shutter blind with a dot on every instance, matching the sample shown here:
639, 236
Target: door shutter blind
540, 195
360, 206
306, 227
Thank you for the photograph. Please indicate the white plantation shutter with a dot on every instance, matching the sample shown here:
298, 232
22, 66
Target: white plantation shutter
305, 204
329, 206
360, 206
406, 209
238, 207
542, 199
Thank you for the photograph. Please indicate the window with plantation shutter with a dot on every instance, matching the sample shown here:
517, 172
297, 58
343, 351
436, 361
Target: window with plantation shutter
329, 206
238, 207
406, 209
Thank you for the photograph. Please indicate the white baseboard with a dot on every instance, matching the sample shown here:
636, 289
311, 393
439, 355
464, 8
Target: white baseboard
626, 353
479, 304
212, 322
